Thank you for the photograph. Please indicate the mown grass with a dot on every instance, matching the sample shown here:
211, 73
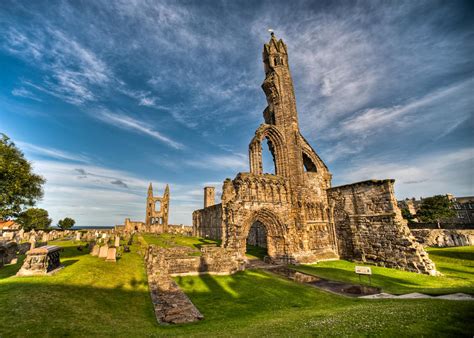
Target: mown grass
256, 252
91, 297
169, 240
456, 265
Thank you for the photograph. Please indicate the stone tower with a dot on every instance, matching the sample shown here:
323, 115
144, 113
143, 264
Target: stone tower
288, 209
209, 196
295, 214
157, 220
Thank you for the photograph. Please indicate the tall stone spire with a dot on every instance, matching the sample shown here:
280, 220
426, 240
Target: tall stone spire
150, 190
278, 85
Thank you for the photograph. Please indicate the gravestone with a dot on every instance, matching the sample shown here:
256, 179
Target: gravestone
41, 261
117, 241
78, 236
111, 254
8, 253
103, 251
95, 250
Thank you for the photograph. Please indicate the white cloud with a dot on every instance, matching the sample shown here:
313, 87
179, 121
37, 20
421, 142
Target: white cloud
72, 70
436, 173
219, 162
373, 118
147, 101
52, 152
90, 194
129, 123
23, 92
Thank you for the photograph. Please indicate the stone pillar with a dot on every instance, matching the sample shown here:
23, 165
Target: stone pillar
209, 196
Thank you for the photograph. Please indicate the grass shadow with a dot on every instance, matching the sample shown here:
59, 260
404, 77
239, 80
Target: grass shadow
204, 241
256, 251
11, 269
69, 262
466, 256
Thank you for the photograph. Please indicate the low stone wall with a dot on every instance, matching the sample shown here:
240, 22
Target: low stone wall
182, 230
179, 261
443, 237
370, 227
170, 303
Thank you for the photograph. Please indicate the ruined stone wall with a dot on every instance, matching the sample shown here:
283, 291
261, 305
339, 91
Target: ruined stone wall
443, 237
267, 199
370, 228
178, 261
207, 222
180, 229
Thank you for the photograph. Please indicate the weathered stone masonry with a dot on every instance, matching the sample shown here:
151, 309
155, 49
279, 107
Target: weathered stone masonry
370, 227
303, 218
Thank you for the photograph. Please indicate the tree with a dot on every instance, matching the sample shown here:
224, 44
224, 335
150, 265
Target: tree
19, 186
406, 214
66, 223
34, 218
436, 208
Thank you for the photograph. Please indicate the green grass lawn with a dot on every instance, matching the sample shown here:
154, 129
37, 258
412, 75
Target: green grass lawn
169, 240
255, 252
456, 265
91, 297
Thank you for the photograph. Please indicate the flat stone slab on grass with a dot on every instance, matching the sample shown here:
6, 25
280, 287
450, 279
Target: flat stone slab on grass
416, 295
456, 296
382, 295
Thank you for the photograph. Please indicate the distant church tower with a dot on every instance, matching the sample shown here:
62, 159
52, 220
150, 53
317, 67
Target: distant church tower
157, 220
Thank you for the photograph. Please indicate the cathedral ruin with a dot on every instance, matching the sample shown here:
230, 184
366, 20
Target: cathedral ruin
295, 214
156, 215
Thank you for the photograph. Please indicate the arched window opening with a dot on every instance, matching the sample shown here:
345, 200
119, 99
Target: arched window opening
268, 158
257, 241
309, 165
157, 206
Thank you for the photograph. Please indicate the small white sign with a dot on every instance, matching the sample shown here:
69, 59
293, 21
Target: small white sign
363, 270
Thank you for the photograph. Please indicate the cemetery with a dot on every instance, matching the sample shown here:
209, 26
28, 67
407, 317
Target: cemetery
91, 287
278, 217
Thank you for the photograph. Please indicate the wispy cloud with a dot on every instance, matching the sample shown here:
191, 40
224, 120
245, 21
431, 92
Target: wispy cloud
219, 162
52, 152
370, 119
23, 92
95, 195
434, 173
73, 70
129, 123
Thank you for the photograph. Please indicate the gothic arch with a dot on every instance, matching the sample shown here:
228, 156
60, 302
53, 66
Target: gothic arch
275, 229
273, 135
309, 152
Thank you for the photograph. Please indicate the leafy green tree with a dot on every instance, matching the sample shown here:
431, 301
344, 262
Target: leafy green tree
435, 209
407, 215
19, 186
34, 218
66, 223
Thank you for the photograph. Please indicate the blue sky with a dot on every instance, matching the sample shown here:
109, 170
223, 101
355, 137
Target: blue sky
106, 96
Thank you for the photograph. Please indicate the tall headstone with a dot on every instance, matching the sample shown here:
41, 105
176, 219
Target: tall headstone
111, 254
103, 251
117, 241
95, 250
